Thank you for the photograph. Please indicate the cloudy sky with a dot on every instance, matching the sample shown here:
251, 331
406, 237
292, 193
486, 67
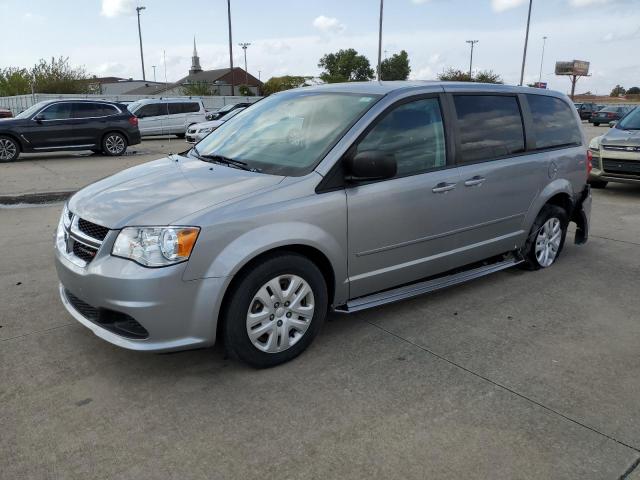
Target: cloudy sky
289, 36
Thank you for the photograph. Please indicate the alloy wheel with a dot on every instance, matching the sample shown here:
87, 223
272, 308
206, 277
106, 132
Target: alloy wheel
548, 242
280, 313
8, 149
114, 144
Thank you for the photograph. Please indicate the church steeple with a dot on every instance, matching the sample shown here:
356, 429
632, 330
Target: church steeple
195, 60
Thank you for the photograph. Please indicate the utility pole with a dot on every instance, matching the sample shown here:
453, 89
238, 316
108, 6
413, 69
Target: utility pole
259, 72
246, 72
544, 42
233, 86
154, 72
526, 41
380, 42
472, 42
138, 10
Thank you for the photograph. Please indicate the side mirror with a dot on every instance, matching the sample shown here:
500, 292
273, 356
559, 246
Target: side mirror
370, 165
39, 118
613, 124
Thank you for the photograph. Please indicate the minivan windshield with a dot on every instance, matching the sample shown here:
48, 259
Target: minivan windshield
287, 133
631, 121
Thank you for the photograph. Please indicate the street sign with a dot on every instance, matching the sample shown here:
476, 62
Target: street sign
540, 85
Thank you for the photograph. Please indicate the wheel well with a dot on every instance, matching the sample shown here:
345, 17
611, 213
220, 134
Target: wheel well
313, 254
115, 130
562, 200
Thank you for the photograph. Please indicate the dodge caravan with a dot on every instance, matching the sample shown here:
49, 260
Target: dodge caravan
338, 197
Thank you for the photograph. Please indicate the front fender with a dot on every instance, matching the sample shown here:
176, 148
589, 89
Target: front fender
236, 254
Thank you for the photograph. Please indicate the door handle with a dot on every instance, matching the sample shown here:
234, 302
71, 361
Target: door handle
472, 182
443, 187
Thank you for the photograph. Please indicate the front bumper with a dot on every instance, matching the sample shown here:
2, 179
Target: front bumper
626, 170
176, 314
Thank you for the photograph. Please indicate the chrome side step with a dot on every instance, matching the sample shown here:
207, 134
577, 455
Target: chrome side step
415, 289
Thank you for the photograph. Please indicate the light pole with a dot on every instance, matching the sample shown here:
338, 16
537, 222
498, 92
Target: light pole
526, 41
246, 72
544, 42
138, 10
233, 86
380, 42
154, 72
472, 42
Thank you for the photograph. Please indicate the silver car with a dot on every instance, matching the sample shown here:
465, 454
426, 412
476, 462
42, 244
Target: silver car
339, 197
616, 155
198, 131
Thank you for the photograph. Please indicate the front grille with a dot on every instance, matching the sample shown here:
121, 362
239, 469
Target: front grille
620, 148
92, 230
85, 252
116, 322
623, 167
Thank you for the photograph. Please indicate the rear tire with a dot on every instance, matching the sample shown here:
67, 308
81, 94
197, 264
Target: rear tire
114, 144
598, 183
596, 124
546, 239
275, 310
9, 149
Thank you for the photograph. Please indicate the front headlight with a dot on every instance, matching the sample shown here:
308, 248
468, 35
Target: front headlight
155, 246
594, 144
206, 130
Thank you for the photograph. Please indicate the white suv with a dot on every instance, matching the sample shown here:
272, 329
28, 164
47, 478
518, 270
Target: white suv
166, 116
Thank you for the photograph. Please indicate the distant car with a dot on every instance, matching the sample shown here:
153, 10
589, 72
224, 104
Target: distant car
221, 112
609, 114
616, 155
197, 132
585, 110
56, 125
167, 116
5, 113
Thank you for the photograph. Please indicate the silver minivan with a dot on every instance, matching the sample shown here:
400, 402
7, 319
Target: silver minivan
338, 197
167, 116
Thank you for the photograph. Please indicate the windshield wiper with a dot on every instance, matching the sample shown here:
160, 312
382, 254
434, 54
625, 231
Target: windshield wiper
225, 160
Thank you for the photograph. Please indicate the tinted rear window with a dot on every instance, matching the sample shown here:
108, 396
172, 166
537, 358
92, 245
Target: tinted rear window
554, 124
490, 126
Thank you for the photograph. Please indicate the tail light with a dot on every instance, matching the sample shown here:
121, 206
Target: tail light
589, 162
133, 120
610, 115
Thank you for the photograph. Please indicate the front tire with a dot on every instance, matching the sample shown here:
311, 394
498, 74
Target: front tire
114, 144
275, 310
9, 149
546, 238
596, 124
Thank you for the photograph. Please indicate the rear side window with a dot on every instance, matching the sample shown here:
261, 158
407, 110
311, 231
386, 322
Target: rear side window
176, 108
490, 126
413, 133
554, 124
151, 110
88, 110
191, 107
108, 110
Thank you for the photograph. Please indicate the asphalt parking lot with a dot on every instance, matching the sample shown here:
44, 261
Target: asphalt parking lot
520, 375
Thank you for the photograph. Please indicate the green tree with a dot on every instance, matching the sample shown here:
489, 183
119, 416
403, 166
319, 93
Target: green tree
197, 89
617, 91
345, 66
245, 91
454, 75
14, 81
279, 84
483, 76
59, 77
487, 76
633, 91
397, 67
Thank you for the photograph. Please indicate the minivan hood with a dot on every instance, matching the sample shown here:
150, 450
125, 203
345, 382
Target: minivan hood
621, 138
163, 191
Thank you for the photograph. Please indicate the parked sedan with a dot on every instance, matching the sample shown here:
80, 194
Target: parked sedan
221, 112
197, 132
5, 113
609, 114
57, 125
616, 155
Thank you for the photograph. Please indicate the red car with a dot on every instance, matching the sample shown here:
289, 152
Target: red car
5, 113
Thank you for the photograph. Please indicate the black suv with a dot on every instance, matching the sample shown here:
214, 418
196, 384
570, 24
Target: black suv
585, 110
69, 125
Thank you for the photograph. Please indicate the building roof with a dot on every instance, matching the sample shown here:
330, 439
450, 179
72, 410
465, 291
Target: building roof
208, 76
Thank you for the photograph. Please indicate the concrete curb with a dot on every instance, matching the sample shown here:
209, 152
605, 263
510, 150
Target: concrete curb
35, 198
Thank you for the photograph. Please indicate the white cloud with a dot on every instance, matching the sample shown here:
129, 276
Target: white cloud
328, 24
420, 2
587, 3
114, 8
502, 5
